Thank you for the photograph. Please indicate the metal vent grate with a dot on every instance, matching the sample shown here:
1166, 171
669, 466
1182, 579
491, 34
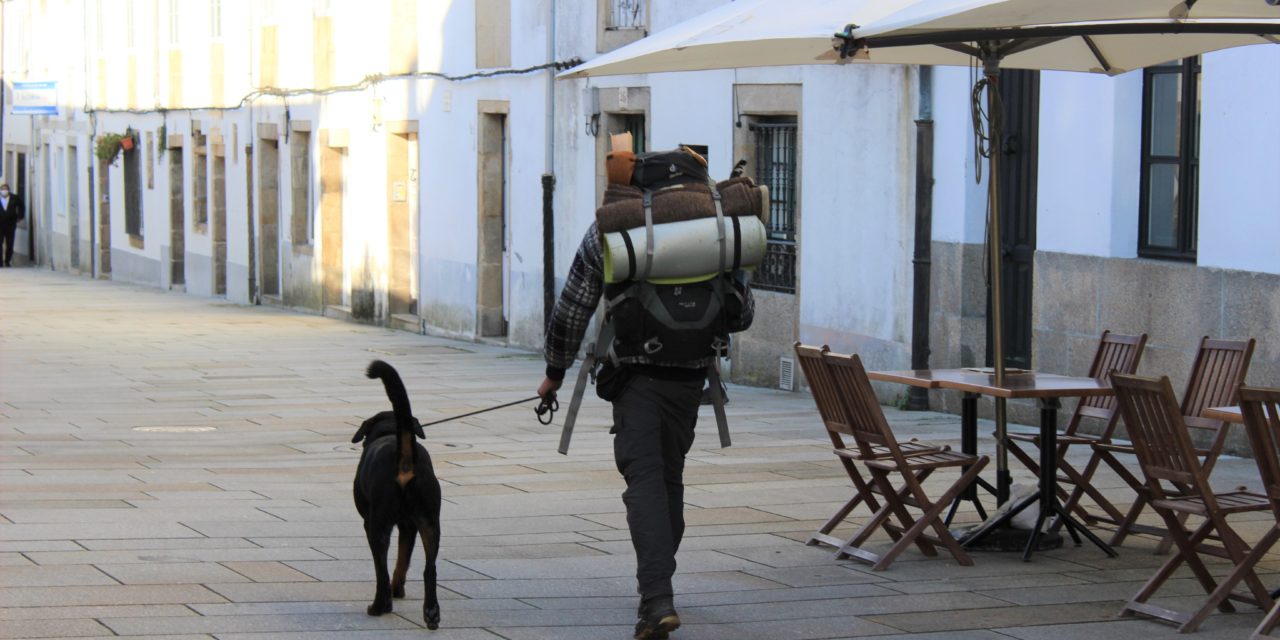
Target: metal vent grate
787, 373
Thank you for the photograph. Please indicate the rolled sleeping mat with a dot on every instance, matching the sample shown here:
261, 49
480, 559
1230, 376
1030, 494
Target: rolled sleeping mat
684, 251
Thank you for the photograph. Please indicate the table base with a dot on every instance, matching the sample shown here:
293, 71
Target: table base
1049, 509
1010, 539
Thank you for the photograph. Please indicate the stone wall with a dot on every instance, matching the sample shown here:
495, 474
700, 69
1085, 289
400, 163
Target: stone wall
1077, 297
1175, 304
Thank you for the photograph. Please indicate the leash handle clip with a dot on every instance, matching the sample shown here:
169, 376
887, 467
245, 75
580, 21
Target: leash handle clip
548, 407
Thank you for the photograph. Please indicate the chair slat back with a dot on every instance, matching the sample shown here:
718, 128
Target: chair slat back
1116, 352
865, 416
1159, 436
1261, 411
1217, 373
823, 388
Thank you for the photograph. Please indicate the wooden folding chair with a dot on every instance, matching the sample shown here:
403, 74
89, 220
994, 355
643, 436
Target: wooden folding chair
825, 396
1116, 352
1260, 409
870, 430
1218, 371
1163, 446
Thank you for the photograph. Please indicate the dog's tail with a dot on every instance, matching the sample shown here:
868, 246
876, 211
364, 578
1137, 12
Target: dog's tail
406, 425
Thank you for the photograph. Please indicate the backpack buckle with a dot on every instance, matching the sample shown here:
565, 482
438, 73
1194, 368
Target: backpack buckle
651, 346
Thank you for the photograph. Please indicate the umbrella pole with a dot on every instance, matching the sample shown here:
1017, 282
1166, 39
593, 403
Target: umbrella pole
991, 68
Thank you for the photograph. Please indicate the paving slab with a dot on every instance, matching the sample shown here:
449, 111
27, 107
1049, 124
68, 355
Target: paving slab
116, 521
69, 628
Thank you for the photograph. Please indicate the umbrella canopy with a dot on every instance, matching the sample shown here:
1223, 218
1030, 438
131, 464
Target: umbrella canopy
1103, 36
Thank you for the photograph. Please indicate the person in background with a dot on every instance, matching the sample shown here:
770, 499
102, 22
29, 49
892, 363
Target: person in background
11, 211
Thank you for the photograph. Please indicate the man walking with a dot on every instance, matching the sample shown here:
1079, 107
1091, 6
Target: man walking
655, 391
11, 211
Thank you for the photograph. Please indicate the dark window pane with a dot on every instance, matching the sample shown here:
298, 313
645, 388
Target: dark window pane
1166, 110
634, 124
1162, 209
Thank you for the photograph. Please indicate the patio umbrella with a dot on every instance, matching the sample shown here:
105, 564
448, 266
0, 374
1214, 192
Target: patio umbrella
1097, 36
1107, 36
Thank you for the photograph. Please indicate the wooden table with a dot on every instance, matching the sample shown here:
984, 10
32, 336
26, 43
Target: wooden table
1048, 389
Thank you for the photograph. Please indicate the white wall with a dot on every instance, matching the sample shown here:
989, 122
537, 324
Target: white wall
1239, 181
959, 203
857, 213
1090, 134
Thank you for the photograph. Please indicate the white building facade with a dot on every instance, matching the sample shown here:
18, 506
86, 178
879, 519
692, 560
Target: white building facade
409, 163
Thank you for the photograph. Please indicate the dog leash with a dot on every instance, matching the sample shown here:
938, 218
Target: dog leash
547, 407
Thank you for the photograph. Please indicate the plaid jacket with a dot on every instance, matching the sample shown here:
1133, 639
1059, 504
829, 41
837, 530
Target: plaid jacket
579, 299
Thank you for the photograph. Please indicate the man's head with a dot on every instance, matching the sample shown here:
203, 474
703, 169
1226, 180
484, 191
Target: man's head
4, 189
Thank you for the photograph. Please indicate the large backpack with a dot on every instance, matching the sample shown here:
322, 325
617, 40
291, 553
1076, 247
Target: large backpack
671, 323
665, 322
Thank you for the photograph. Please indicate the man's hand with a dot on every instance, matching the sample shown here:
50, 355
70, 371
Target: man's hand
548, 387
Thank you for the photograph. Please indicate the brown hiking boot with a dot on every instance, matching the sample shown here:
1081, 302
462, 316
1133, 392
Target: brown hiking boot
658, 618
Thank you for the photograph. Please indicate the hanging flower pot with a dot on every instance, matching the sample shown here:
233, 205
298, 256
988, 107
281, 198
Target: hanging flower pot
126, 143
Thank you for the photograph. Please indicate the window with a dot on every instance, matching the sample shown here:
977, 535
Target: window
99, 38
493, 33
626, 14
633, 123
173, 23
300, 181
128, 24
199, 180
133, 191
775, 167
215, 19
620, 22
1167, 215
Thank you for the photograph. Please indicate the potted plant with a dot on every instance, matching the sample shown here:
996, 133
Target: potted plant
108, 146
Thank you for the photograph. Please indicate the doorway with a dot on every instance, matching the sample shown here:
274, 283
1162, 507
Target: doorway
331, 167
104, 219
73, 205
218, 221
402, 212
1019, 152
177, 220
269, 216
253, 247
491, 257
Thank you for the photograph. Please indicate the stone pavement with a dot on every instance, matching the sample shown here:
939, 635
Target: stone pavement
180, 467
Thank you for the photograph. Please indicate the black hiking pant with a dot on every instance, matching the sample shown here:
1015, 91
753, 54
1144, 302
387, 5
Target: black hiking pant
653, 421
8, 231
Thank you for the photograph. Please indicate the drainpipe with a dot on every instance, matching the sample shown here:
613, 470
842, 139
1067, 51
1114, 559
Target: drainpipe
918, 398
93, 156
549, 177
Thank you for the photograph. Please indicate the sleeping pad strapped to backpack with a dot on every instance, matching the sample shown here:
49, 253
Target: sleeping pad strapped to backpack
680, 295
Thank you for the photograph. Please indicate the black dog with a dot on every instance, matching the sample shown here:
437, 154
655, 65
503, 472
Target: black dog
395, 486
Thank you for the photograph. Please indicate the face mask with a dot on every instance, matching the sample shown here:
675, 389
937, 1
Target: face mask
4, 193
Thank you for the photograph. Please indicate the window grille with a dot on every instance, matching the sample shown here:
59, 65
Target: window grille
775, 165
626, 14
133, 191
199, 178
